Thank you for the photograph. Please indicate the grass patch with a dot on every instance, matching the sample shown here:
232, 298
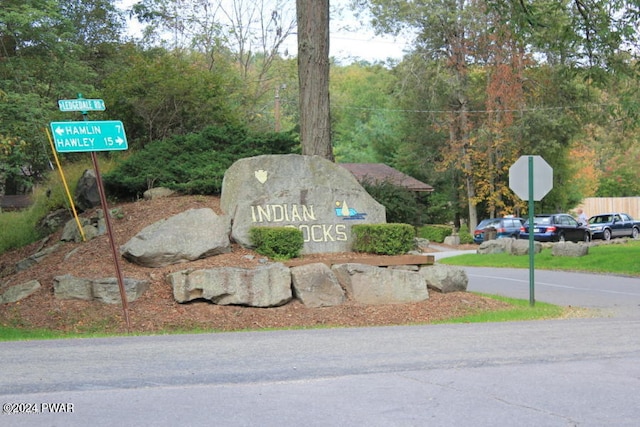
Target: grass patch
520, 310
19, 334
20, 228
607, 259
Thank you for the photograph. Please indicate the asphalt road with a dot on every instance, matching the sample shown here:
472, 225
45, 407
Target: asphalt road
616, 296
574, 372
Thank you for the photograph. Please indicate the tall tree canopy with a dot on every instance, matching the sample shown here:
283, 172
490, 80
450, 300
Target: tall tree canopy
484, 96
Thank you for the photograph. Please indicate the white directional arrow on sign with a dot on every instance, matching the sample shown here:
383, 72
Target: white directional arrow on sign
89, 136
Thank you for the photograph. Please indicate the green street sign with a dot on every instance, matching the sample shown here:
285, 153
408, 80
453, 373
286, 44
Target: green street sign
70, 137
81, 104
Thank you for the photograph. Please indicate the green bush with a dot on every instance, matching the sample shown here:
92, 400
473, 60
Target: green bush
435, 233
279, 243
193, 163
400, 204
383, 239
465, 235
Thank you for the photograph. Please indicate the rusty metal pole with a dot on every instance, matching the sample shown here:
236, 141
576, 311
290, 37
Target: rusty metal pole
114, 249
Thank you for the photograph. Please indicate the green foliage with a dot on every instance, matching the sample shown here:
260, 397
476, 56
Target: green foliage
279, 243
435, 233
438, 207
384, 239
193, 163
18, 229
363, 123
159, 94
401, 205
21, 228
465, 235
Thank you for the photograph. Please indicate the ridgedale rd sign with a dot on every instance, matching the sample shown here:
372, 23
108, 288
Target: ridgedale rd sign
81, 104
72, 137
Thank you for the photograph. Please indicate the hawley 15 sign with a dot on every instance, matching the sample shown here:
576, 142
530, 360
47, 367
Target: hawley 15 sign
72, 137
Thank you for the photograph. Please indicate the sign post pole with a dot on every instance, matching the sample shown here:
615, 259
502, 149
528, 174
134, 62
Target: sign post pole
114, 250
530, 187
74, 137
532, 300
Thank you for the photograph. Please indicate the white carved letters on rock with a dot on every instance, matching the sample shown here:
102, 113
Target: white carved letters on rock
310, 193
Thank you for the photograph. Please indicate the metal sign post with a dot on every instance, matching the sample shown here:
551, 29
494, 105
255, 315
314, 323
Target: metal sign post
532, 299
94, 136
532, 187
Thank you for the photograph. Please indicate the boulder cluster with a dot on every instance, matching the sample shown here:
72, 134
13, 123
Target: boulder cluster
313, 194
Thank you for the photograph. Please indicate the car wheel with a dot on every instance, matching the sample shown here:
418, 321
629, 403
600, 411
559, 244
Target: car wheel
635, 232
587, 237
606, 234
561, 237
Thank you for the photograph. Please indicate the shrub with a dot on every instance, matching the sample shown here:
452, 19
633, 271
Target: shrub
435, 233
279, 243
400, 204
383, 239
193, 163
465, 235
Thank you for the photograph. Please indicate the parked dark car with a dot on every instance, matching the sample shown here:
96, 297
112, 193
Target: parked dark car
502, 227
556, 228
615, 224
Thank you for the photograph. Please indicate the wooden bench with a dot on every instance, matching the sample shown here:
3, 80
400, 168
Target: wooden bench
376, 260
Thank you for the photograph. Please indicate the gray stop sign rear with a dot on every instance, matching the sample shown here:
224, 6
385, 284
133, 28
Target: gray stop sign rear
542, 175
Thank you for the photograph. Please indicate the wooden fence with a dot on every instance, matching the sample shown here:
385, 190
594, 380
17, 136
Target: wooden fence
597, 205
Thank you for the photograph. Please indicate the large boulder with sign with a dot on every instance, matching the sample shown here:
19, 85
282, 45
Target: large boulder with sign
310, 193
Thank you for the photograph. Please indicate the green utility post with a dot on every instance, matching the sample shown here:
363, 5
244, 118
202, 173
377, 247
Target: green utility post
532, 299
531, 178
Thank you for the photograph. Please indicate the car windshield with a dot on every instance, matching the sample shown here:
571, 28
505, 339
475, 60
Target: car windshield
542, 220
483, 223
600, 219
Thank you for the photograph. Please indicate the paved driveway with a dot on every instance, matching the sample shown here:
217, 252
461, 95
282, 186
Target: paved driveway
611, 295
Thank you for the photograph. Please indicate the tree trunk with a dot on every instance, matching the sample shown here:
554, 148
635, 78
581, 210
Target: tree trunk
313, 76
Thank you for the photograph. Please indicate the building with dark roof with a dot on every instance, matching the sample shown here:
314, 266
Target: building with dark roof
377, 173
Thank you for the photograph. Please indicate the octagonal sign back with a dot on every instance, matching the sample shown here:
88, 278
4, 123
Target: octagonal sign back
542, 177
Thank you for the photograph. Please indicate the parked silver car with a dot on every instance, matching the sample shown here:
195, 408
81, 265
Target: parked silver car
615, 224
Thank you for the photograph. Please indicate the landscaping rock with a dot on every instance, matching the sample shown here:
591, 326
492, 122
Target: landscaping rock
264, 286
87, 194
310, 193
521, 247
31, 260
19, 292
92, 227
452, 240
368, 284
570, 249
191, 235
105, 290
315, 285
492, 247
156, 193
445, 278
508, 245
